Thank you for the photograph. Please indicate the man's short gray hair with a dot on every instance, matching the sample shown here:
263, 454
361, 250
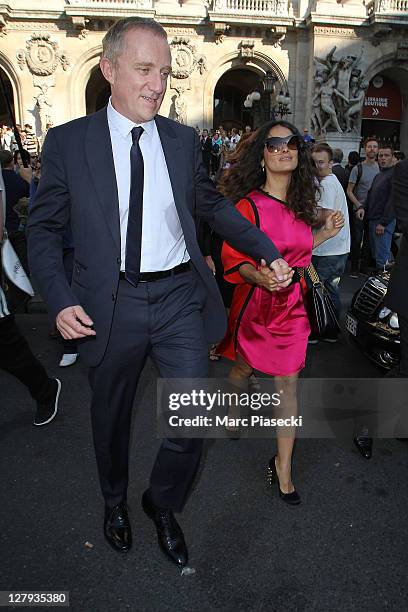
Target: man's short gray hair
337, 156
113, 41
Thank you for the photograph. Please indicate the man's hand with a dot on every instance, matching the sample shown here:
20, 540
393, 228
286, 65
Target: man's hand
268, 278
379, 229
281, 269
74, 323
360, 213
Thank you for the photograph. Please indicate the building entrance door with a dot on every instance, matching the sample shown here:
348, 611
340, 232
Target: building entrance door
229, 96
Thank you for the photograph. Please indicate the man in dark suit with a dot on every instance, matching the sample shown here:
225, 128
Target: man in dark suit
397, 294
206, 146
132, 185
339, 171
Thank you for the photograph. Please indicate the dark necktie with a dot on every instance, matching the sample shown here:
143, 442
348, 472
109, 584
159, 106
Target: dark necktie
134, 227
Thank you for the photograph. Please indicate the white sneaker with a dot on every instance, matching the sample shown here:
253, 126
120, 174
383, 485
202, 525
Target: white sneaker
68, 359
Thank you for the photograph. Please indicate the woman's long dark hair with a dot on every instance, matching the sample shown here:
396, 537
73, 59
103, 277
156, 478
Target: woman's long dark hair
246, 173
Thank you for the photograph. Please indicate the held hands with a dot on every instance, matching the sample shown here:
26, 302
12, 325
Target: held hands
281, 268
74, 323
268, 278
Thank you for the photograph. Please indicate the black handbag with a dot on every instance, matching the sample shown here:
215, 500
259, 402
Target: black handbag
319, 305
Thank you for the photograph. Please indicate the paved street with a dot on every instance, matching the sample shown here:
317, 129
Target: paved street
343, 549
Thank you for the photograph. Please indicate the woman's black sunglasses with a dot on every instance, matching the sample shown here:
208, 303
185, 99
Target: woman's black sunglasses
274, 144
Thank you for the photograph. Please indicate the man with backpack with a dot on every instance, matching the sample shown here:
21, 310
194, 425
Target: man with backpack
360, 181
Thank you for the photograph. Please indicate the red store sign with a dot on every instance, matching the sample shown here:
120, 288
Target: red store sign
383, 100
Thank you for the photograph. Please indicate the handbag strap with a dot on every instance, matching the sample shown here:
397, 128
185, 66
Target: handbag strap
311, 272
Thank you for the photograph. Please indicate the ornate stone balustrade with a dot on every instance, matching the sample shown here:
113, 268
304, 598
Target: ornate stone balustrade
111, 4
276, 8
399, 7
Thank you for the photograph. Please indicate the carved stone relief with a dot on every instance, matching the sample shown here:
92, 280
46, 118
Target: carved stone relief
43, 104
184, 61
339, 91
41, 55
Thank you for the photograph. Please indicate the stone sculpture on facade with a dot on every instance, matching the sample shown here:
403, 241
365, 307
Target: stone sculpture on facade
41, 55
184, 61
316, 118
180, 107
357, 95
339, 94
44, 105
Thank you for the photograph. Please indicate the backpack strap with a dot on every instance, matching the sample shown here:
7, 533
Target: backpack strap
359, 175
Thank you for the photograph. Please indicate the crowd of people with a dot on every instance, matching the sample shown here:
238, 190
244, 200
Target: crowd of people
29, 141
217, 144
125, 272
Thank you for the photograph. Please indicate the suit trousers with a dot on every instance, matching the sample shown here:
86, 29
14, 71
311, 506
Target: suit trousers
160, 319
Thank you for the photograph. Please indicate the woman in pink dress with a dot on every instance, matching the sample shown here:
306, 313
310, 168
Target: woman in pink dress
275, 185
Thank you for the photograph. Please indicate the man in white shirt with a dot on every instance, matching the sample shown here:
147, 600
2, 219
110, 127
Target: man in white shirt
234, 140
330, 258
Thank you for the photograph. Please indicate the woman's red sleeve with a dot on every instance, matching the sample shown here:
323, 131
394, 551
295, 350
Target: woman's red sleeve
233, 259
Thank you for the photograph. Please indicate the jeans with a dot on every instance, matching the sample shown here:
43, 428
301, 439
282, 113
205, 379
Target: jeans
330, 269
381, 245
360, 245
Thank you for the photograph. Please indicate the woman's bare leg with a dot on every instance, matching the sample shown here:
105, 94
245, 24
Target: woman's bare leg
287, 387
239, 375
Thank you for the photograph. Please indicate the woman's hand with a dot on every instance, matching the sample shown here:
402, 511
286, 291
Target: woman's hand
267, 278
264, 277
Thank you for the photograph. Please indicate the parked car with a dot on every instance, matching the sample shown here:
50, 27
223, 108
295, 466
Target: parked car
372, 325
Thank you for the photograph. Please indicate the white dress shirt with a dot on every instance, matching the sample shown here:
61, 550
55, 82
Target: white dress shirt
163, 245
332, 196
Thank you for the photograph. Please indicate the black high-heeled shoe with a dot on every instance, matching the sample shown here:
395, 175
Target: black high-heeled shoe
272, 476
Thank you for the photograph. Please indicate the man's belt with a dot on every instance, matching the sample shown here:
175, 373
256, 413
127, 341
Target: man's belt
151, 277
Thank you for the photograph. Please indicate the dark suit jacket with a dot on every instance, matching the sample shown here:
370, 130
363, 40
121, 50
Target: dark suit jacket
397, 294
342, 175
78, 184
206, 147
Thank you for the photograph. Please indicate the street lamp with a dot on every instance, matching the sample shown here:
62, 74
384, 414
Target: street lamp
283, 101
269, 82
282, 104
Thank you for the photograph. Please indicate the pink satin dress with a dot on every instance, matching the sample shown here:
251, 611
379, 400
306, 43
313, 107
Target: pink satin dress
269, 329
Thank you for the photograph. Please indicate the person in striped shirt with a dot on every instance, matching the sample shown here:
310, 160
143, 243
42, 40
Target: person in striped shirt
16, 357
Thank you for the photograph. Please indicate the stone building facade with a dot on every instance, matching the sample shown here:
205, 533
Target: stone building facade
325, 54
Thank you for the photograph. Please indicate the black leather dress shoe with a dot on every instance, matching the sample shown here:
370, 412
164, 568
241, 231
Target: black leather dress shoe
364, 446
169, 534
117, 527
